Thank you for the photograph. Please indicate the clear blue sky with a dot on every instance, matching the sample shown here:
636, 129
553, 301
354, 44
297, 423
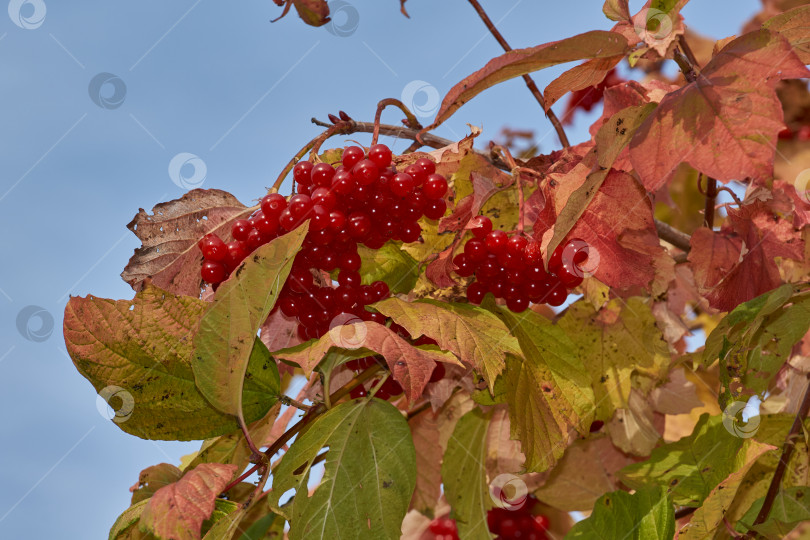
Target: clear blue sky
213, 79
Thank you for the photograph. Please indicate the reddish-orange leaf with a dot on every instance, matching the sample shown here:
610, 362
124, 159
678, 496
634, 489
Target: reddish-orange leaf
737, 263
795, 26
312, 12
177, 511
724, 124
594, 44
169, 254
580, 77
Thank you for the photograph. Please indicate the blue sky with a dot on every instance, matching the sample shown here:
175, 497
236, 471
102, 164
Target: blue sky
218, 81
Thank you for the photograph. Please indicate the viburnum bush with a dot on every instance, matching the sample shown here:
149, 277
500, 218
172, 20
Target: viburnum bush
456, 342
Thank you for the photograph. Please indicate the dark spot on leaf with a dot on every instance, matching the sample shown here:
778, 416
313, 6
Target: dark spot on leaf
674, 482
387, 484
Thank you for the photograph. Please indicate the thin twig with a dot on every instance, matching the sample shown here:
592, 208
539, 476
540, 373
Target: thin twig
529, 82
290, 402
679, 239
687, 50
787, 451
257, 455
410, 119
686, 66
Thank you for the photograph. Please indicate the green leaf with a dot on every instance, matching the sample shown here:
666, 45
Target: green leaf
594, 44
137, 355
693, 466
390, 264
755, 339
369, 477
472, 333
791, 506
709, 517
548, 390
464, 475
647, 514
259, 528
620, 342
227, 332
795, 26
127, 523
411, 366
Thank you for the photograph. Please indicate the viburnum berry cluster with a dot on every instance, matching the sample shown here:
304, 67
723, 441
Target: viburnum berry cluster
515, 524
511, 267
362, 200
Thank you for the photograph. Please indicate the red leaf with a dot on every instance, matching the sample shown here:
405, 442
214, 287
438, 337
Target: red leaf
177, 511
594, 44
586, 75
169, 254
737, 263
439, 270
312, 12
724, 124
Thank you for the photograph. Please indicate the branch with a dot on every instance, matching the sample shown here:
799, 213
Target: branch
711, 201
410, 118
677, 238
527, 79
787, 451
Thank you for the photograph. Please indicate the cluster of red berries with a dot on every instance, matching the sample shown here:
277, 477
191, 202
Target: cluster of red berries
364, 199
802, 134
517, 524
511, 267
390, 388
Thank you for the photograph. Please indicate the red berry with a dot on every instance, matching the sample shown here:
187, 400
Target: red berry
300, 205
427, 165
358, 391
518, 303
402, 184
391, 387
236, 253
349, 278
240, 229
435, 186
596, 425
532, 254
464, 267
359, 225
213, 248
435, 209
346, 297
381, 290
337, 220
380, 155
212, 272
324, 197
481, 226
289, 305
476, 292
541, 523
496, 242
366, 172
509, 528
516, 246
322, 174
366, 293
475, 250
343, 183
302, 173
349, 261
352, 156
417, 173
267, 226
255, 239
409, 231
438, 372
324, 237
319, 218
557, 295
272, 205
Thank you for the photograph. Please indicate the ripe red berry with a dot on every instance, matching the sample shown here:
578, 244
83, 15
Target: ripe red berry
352, 156
464, 267
300, 205
324, 197
409, 231
289, 305
475, 250
366, 295
517, 303
337, 220
435, 209
435, 186
496, 242
557, 295
417, 173
273, 204
213, 248
302, 173
349, 278
319, 218
359, 225
366, 172
358, 392
322, 174
402, 184
347, 297
343, 183
240, 229
541, 522
476, 292
349, 261
427, 165
381, 290
438, 372
516, 246
213, 272
481, 226
380, 155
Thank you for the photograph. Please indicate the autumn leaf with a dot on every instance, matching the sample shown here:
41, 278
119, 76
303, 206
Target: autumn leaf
725, 123
585, 75
153, 478
169, 254
312, 12
737, 263
795, 26
472, 333
137, 354
788, 510
425, 435
369, 473
464, 476
616, 10
228, 329
659, 23
594, 44
177, 511
647, 514
391, 264
410, 366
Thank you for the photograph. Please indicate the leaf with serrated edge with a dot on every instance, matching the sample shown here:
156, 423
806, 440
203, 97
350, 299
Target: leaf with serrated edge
473, 334
369, 473
143, 347
178, 510
709, 517
169, 254
411, 366
390, 264
464, 475
647, 514
229, 327
548, 390
594, 44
